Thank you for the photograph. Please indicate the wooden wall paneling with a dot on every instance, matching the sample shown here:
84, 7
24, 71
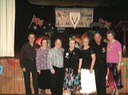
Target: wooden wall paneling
123, 73
0, 79
4, 80
126, 79
18, 79
11, 81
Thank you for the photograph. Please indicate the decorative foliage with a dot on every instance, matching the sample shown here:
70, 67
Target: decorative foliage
78, 41
106, 24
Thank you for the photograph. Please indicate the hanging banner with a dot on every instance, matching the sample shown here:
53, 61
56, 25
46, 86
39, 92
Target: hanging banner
73, 17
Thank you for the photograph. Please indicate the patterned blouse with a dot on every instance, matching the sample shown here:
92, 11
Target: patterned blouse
41, 59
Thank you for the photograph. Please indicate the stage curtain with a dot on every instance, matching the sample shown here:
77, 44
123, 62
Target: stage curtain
7, 27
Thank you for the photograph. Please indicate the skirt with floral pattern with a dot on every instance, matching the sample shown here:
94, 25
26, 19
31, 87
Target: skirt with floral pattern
114, 76
71, 80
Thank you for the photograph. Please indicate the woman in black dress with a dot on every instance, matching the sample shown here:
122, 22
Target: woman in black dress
87, 71
72, 62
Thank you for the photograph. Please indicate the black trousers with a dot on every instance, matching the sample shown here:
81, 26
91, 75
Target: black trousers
30, 67
44, 79
57, 81
100, 75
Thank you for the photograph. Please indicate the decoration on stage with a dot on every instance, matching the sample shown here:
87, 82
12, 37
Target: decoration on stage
49, 33
38, 40
72, 17
12, 62
89, 33
106, 24
37, 21
1, 70
78, 41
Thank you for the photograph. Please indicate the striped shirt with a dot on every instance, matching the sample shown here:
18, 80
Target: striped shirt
55, 58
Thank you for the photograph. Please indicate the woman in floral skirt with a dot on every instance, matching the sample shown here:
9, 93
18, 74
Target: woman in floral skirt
114, 56
72, 62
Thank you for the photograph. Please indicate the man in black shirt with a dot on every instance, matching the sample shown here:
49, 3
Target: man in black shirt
100, 66
27, 63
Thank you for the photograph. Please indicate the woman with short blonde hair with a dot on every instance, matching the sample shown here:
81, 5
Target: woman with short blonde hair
87, 68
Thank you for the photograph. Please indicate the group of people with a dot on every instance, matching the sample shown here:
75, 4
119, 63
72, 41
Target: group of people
72, 69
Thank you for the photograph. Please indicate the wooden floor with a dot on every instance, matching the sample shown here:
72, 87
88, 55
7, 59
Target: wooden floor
76, 94
12, 81
50, 94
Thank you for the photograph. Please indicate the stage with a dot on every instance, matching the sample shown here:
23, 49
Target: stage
12, 82
64, 94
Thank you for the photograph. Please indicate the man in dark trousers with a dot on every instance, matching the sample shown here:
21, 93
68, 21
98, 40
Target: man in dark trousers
55, 64
27, 63
100, 66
